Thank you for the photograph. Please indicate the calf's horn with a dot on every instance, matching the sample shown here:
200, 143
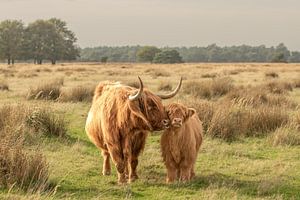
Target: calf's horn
139, 93
173, 93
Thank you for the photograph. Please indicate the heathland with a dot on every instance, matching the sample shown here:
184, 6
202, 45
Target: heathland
250, 114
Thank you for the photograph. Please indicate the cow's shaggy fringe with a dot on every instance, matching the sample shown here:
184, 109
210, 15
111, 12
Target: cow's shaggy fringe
209, 89
46, 91
77, 94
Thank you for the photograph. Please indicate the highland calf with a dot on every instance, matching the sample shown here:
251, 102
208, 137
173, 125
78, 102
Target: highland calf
118, 123
181, 142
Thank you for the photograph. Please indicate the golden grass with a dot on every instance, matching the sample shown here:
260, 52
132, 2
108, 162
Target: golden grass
77, 94
47, 91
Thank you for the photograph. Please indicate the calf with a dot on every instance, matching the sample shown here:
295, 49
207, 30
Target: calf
181, 142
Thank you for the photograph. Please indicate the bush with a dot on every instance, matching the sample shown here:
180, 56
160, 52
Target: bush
208, 89
46, 91
212, 75
78, 94
167, 56
46, 122
286, 135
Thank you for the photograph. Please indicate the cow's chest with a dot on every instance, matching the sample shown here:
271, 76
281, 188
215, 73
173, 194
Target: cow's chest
175, 144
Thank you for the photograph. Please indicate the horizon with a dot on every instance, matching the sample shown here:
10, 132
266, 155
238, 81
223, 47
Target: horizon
168, 23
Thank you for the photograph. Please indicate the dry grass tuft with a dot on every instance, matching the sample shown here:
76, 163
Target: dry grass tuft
132, 83
164, 86
209, 89
78, 94
286, 135
278, 87
44, 121
3, 85
257, 96
46, 91
271, 74
230, 121
19, 167
297, 83
156, 72
209, 75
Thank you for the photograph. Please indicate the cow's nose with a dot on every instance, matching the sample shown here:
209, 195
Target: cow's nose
166, 122
177, 120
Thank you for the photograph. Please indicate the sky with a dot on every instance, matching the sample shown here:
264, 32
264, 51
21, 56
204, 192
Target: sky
168, 22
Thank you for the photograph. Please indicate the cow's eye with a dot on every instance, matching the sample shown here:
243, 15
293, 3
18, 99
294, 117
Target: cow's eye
150, 108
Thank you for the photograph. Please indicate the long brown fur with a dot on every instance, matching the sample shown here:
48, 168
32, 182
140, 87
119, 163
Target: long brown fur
119, 127
180, 145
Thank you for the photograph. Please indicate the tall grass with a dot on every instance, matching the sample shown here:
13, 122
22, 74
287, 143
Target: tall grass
78, 94
47, 91
19, 167
3, 85
208, 89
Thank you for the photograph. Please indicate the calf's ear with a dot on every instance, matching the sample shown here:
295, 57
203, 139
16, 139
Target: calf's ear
191, 112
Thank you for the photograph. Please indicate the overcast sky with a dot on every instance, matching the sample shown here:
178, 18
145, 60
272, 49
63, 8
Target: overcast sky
168, 22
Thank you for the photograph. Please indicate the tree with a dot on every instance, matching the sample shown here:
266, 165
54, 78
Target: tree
11, 40
104, 59
66, 48
41, 41
281, 53
147, 53
167, 56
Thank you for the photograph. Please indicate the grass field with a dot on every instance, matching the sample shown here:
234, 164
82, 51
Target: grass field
251, 148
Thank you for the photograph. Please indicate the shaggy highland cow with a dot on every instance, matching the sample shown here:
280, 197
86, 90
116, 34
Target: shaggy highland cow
118, 123
181, 142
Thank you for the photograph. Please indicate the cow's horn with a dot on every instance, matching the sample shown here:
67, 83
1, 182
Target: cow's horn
139, 93
173, 93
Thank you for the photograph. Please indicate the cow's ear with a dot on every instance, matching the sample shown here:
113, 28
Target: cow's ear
191, 112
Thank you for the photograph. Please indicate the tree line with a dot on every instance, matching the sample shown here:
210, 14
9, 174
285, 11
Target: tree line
211, 53
40, 40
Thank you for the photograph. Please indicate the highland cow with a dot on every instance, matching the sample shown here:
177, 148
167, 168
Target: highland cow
119, 120
181, 142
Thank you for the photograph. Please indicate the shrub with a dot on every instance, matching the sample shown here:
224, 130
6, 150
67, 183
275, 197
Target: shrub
271, 74
46, 122
286, 135
78, 94
46, 91
297, 83
3, 85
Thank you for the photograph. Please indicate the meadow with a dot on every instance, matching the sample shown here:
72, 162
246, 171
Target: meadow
250, 114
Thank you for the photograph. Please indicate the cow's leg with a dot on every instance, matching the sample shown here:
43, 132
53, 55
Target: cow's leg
171, 172
106, 163
193, 172
185, 173
117, 156
137, 144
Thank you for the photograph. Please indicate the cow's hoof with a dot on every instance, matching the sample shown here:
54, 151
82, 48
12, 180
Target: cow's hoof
106, 173
133, 178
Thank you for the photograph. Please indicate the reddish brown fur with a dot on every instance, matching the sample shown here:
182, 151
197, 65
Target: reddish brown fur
119, 127
180, 145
